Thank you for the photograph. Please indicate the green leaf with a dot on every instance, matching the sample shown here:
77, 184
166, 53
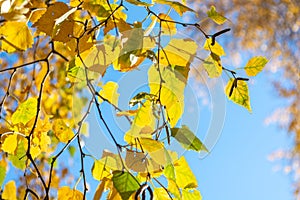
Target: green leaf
72, 151
25, 112
212, 65
255, 65
240, 93
125, 184
2, 174
177, 6
187, 139
215, 16
191, 194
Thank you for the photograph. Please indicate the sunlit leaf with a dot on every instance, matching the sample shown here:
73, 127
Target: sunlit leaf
167, 28
17, 36
139, 3
19, 160
62, 131
187, 139
177, 6
255, 65
125, 184
212, 65
160, 193
178, 52
171, 92
67, 193
191, 194
10, 191
109, 92
240, 94
100, 189
143, 124
155, 149
216, 48
173, 188
103, 167
215, 16
10, 143
184, 175
25, 112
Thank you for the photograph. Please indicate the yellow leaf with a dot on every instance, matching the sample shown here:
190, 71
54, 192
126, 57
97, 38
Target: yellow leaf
240, 93
173, 188
110, 92
212, 65
63, 132
10, 144
255, 65
143, 123
104, 167
69, 194
160, 193
10, 191
215, 16
177, 6
17, 36
191, 194
216, 48
167, 28
25, 112
178, 52
184, 175
171, 92
155, 149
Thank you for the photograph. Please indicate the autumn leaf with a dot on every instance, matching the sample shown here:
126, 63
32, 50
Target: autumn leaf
155, 149
109, 92
55, 24
67, 193
212, 65
193, 194
171, 92
25, 112
17, 36
177, 6
10, 144
62, 131
217, 49
125, 184
139, 3
10, 191
178, 52
240, 93
187, 139
215, 16
184, 175
160, 193
255, 65
167, 28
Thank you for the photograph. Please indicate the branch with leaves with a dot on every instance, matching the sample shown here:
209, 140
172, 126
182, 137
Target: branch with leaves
76, 45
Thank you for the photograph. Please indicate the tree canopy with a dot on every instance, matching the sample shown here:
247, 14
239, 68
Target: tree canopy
54, 53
